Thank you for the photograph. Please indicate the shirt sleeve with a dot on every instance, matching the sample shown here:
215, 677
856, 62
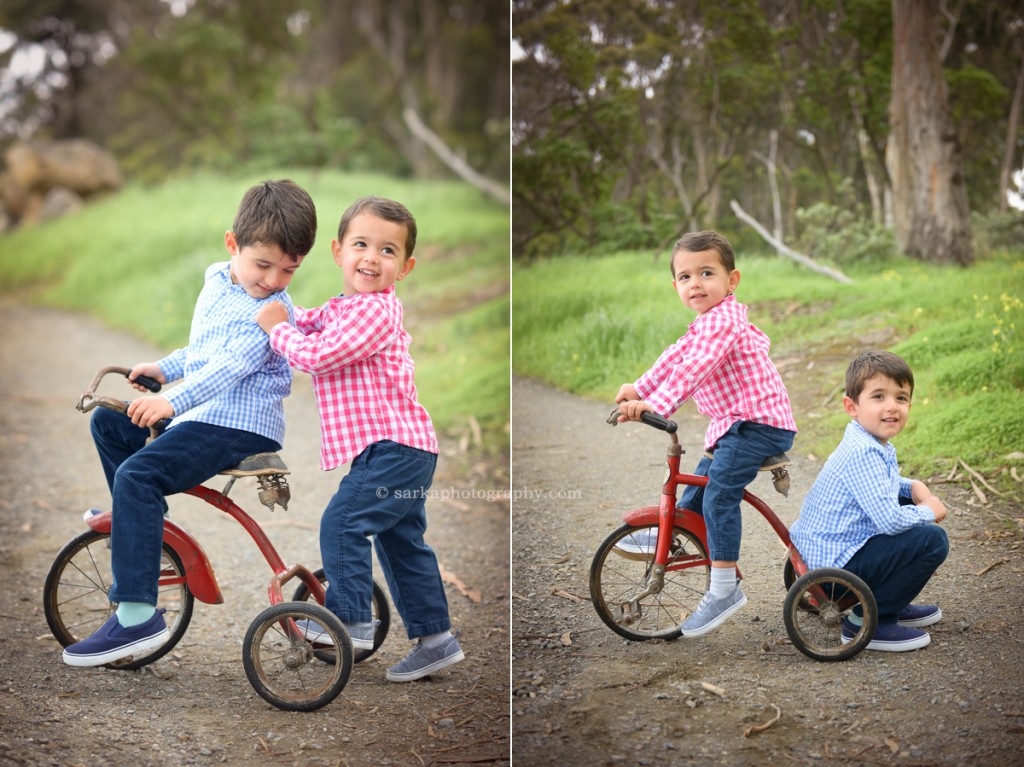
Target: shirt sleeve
362, 330
248, 351
173, 365
875, 498
684, 367
309, 320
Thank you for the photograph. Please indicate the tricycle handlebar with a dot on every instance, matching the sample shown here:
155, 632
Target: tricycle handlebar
649, 418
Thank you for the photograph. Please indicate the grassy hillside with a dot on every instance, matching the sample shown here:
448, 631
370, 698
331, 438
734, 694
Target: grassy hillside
136, 261
589, 324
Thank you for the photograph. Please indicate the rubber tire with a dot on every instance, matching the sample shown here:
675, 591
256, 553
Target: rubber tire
799, 615
99, 576
666, 621
270, 620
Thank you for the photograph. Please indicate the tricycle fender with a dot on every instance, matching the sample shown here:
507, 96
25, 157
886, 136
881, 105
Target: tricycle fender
198, 571
684, 518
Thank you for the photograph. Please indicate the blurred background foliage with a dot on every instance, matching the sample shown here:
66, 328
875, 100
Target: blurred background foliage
222, 85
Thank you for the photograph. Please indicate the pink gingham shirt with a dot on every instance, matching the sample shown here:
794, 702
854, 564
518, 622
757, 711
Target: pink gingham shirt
722, 363
358, 354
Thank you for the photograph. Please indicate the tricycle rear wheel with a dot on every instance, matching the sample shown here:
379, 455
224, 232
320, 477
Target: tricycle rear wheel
816, 606
282, 665
378, 607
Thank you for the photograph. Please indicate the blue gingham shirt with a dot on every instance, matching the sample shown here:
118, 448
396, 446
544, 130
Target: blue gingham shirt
231, 375
855, 497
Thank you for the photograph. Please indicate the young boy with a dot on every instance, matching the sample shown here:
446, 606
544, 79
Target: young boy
227, 408
357, 351
862, 516
722, 364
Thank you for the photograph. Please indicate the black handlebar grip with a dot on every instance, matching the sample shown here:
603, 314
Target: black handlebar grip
658, 422
150, 383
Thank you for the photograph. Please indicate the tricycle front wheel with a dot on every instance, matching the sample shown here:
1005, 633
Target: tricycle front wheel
75, 597
622, 572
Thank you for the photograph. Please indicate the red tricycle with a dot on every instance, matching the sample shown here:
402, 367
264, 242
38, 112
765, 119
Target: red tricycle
648, 575
285, 668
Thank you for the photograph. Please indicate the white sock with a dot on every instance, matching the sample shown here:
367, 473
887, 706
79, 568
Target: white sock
723, 581
134, 613
432, 640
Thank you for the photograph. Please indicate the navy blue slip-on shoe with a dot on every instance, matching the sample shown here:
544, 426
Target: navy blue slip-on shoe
890, 637
112, 641
918, 616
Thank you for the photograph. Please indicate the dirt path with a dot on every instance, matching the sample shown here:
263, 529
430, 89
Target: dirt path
196, 706
583, 695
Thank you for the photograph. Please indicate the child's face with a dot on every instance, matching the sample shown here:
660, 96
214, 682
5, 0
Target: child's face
261, 270
372, 254
882, 407
701, 280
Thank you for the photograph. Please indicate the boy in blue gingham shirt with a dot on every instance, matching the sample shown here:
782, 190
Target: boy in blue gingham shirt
228, 407
862, 516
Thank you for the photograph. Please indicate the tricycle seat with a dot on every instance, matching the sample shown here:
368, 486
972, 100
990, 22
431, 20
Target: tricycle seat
771, 463
258, 465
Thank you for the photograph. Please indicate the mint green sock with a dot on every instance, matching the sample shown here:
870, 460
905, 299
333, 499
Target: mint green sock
855, 619
133, 613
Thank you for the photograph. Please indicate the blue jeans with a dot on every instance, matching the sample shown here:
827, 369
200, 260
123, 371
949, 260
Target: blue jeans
140, 476
384, 495
897, 567
739, 454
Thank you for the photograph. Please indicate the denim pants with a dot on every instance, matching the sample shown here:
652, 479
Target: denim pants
384, 495
739, 454
897, 567
140, 476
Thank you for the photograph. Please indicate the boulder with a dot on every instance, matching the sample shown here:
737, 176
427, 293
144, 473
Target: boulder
75, 164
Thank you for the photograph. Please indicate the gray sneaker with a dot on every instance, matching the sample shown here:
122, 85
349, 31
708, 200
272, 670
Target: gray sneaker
361, 636
711, 613
638, 545
423, 661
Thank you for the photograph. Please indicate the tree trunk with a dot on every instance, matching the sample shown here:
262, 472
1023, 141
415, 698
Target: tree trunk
1010, 150
930, 211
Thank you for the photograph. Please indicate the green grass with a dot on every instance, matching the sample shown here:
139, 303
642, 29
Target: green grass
589, 324
136, 260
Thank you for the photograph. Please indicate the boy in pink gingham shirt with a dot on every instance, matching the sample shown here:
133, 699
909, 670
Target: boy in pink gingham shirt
721, 363
357, 352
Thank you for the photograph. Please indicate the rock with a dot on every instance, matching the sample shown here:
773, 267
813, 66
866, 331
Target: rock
77, 164
58, 202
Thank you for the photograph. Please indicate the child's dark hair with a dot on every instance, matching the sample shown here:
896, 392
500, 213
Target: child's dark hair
870, 364
389, 210
277, 213
695, 242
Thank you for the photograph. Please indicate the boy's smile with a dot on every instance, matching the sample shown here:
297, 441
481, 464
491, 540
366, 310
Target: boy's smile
882, 407
372, 254
701, 280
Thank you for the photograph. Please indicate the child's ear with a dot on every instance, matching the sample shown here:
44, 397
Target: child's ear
407, 267
734, 280
336, 251
231, 243
850, 407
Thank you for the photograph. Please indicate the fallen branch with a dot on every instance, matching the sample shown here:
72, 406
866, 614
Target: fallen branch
566, 595
978, 476
762, 727
713, 688
986, 568
784, 250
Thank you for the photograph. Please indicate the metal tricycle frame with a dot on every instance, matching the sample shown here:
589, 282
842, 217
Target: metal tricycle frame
187, 573
826, 593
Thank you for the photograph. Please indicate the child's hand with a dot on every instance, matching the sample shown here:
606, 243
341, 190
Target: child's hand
271, 314
938, 507
631, 410
626, 392
146, 411
150, 369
